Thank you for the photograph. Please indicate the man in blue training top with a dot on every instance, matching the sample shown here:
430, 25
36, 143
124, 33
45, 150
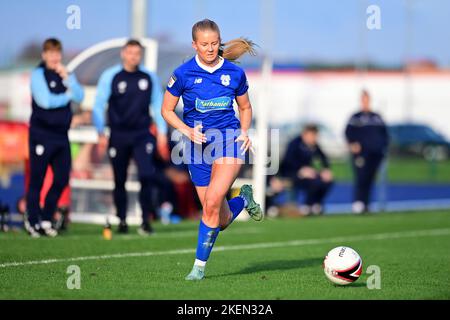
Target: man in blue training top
301, 165
129, 90
368, 141
52, 90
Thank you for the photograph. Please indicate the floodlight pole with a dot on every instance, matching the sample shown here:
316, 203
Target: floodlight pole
408, 101
138, 19
262, 108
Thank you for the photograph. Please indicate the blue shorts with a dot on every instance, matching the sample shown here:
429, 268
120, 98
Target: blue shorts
199, 158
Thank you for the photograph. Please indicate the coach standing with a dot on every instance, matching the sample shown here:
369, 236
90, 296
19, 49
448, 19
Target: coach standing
52, 90
368, 140
130, 90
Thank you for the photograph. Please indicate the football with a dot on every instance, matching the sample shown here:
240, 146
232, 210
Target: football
342, 265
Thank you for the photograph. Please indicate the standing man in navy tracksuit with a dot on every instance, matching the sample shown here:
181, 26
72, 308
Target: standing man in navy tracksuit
129, 90
300, 165
52, 90
368, 140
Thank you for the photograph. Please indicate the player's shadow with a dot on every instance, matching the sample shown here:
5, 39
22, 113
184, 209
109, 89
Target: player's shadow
275, 265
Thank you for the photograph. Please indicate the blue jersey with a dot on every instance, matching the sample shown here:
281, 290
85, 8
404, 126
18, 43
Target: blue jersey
129, 96
50, 100
208, 93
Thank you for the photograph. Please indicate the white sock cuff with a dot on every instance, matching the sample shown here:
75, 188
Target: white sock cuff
199, 263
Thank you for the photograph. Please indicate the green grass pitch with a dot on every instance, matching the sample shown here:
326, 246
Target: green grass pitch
272, 259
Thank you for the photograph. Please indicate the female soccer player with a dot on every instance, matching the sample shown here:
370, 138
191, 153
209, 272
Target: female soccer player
208, 84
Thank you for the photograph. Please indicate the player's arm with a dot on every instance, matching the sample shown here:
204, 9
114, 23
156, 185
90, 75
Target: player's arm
168, 113
172, 95
245, 113
75, 88
155, 110
385, 134
98, 110
290, 162
351, 135
42, 95
325, 173
323, 157
101, 99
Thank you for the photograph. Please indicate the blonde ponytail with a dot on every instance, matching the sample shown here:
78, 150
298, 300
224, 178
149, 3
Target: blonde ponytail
234, 49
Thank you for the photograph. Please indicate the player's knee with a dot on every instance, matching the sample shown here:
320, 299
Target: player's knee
213, 202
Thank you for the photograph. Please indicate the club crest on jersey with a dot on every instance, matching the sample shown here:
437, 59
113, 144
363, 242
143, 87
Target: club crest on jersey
225, 78
40, 150
112, 152
122, 86
149, 148
143, 84
172, 81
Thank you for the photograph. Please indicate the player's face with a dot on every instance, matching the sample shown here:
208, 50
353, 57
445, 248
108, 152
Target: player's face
207, 45
131, 56
52, 58
310, 138
365, 103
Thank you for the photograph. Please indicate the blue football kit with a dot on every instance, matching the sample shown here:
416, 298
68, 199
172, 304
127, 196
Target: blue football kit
208, 94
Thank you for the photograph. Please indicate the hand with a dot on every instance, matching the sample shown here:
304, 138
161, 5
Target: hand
247, 143
326, 175
162, 146
355, 147
102, 143
306, 173
62, 71
195, 134
77, 120
276, 185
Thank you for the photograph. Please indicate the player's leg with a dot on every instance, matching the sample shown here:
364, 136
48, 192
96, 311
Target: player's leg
61, 164
372, 164
323, 189
212, 197
143, 156
39, 160
359, 169
119, 155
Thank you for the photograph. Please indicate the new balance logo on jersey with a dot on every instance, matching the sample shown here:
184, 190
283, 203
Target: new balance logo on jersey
198, 81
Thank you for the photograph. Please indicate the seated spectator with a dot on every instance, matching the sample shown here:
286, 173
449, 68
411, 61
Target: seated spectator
300, 166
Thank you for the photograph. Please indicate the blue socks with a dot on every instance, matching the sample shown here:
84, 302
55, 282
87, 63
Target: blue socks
236, 205
206, 238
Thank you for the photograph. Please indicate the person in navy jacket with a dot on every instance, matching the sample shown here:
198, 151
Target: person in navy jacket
132, 96
52, 89
309, 169
368, 140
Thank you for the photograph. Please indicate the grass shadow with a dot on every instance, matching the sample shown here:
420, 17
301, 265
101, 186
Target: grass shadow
275, 265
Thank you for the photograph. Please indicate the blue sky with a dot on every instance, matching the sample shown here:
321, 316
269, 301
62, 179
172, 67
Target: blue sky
325, 30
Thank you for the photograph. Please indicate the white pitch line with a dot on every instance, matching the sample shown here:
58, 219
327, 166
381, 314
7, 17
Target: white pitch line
265, 245
158, 235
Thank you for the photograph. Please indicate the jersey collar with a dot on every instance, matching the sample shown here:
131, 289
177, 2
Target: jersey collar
207, 68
